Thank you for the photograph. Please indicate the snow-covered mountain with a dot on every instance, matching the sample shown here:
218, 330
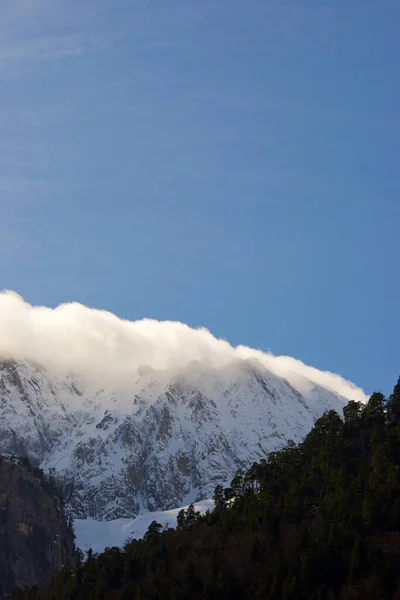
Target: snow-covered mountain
164, 441
145, 416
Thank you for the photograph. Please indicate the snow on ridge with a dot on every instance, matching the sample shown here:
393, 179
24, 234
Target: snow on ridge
99, 535
101, 348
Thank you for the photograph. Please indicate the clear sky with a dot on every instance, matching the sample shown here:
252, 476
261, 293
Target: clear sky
226, 163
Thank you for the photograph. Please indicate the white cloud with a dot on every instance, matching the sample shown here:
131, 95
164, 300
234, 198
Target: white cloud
100, 346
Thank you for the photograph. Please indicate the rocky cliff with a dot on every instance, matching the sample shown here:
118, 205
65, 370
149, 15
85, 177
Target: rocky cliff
34, 538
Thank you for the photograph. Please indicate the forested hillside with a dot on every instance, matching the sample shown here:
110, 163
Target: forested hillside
318, 520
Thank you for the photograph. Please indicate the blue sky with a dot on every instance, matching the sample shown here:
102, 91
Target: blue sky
233, 165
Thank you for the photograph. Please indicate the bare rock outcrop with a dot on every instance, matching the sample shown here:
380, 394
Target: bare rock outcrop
35, 540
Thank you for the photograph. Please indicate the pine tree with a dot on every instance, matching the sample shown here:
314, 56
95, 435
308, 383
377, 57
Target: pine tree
219, 498
393, 404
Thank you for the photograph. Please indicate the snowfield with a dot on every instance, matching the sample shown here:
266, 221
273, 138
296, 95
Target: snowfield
99, 535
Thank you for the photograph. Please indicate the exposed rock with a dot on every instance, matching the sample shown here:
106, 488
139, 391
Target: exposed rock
34, 538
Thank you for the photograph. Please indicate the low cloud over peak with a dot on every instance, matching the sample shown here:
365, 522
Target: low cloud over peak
99, 345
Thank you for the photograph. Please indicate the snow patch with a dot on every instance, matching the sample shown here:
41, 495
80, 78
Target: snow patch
99, 535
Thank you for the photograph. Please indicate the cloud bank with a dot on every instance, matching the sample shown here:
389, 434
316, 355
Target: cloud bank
99, 345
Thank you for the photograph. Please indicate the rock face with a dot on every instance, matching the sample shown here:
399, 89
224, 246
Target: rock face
34, 539
162, 440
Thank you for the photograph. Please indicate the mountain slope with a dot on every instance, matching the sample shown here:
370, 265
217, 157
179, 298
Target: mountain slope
165, 439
